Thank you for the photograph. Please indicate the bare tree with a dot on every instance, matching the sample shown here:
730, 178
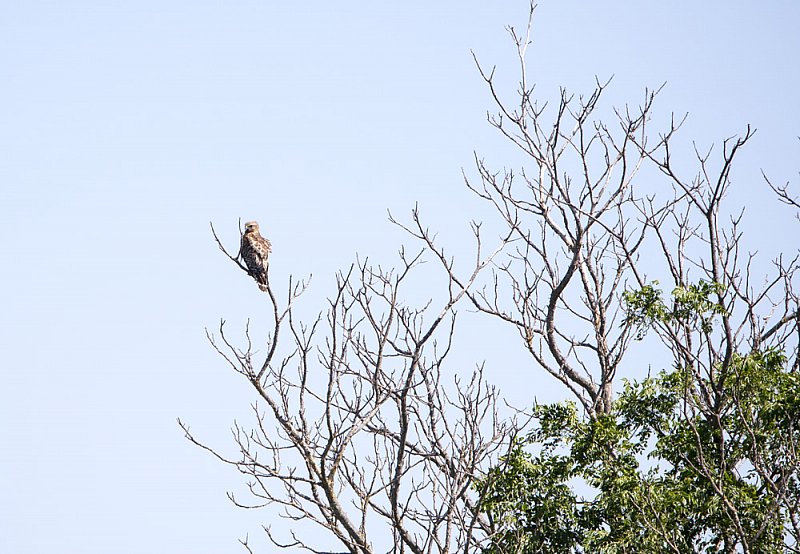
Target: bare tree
587, 218
359, 427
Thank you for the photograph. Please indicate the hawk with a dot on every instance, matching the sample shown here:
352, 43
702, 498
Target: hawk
255, 251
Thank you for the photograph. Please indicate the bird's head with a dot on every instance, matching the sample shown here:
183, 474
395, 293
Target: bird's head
251, 227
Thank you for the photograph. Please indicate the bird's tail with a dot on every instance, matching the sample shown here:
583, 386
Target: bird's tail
261, 279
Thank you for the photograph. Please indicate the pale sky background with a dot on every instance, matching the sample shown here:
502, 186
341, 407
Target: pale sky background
125, 127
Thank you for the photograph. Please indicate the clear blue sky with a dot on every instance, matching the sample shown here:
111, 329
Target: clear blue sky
125, 127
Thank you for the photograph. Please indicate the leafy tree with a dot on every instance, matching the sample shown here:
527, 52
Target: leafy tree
664, 470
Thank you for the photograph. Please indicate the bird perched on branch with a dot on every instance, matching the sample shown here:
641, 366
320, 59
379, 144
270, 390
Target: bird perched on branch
255, 251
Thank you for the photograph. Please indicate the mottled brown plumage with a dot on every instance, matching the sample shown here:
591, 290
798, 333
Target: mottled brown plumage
255, 251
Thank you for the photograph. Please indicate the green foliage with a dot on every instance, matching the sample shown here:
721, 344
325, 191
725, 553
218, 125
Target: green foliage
683, 462
691, 304
643, 308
